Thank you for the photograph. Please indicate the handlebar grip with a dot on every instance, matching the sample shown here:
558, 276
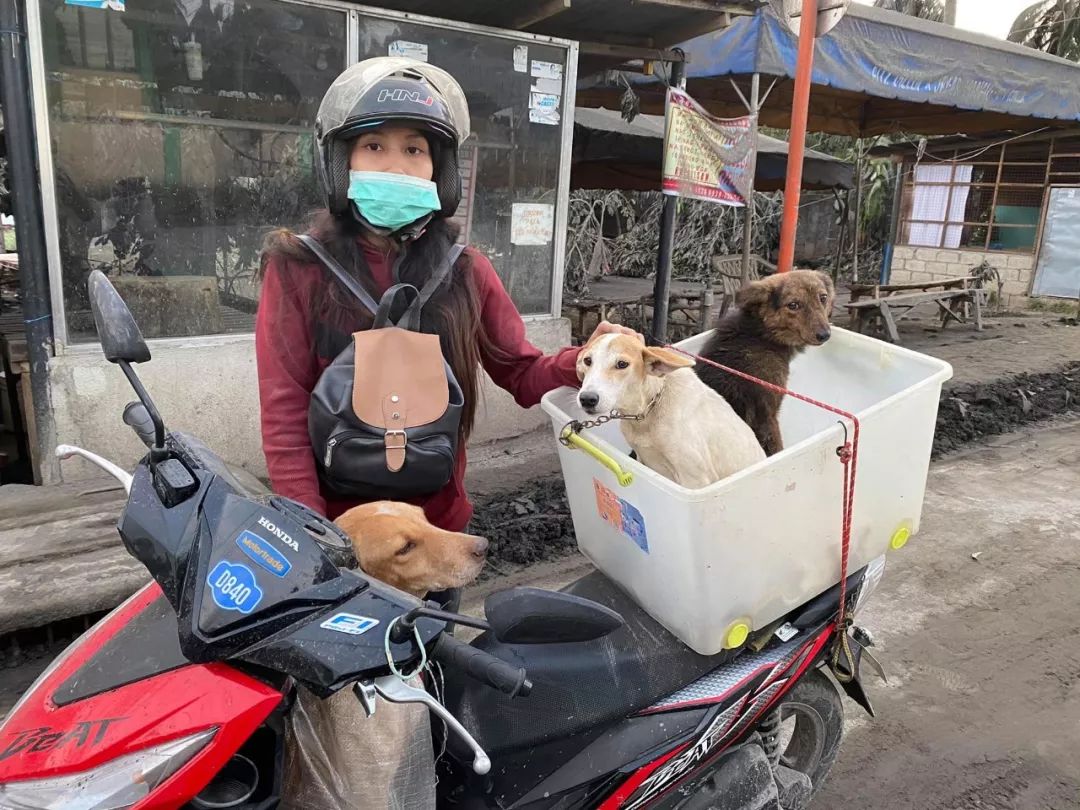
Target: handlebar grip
482, 666
136, 415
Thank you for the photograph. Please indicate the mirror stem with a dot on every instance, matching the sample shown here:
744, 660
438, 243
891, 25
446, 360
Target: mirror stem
158, 450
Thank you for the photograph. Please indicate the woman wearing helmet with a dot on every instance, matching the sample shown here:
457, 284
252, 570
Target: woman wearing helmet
387, 135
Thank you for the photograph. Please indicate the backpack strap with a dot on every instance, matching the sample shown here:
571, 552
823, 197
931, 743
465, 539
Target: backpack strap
339, 272
411, 317
386, 303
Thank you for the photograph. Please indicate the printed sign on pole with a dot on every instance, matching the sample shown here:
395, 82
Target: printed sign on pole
706, 158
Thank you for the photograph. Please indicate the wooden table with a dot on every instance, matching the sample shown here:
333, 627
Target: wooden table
958, 299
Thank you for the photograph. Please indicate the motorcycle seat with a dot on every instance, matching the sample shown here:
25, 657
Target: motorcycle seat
578, 685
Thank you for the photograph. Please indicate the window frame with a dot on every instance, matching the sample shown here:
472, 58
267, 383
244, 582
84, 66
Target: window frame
954, 159
353, 13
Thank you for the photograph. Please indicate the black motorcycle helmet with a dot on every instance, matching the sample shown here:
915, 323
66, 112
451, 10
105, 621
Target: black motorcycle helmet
374, 92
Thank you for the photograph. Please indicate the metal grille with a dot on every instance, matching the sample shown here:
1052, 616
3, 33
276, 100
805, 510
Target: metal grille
721, 681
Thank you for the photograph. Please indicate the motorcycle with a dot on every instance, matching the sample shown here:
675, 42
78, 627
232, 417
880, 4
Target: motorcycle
569, 699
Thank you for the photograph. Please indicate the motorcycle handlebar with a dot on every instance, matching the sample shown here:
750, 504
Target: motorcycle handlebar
482, 666
136, 416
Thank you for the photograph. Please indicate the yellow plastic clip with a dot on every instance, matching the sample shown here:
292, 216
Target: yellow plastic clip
736, 635
571, 438
900, 538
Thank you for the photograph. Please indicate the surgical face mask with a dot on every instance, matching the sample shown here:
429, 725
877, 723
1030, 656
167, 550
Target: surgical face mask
392, 201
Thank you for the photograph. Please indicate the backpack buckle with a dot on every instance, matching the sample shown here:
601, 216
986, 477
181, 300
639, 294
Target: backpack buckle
396, 441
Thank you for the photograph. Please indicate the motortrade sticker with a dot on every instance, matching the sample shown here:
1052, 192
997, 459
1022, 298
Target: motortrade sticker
263, 553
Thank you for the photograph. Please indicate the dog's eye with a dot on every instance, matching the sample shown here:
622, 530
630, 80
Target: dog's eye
824, 298
794, 306
405, 549
621, 364
587, 361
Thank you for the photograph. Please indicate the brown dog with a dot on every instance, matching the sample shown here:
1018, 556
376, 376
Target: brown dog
773, 319
395, 543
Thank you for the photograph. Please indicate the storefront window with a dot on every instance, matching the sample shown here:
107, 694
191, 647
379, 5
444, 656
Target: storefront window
517, 94
180, 135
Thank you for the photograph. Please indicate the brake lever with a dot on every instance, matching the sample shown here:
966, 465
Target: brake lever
392, 688
65, 451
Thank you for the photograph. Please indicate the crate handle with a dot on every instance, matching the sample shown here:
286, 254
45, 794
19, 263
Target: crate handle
572, 438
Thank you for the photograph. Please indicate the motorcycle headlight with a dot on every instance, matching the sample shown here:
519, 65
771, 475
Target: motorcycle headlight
874, 571
118, 784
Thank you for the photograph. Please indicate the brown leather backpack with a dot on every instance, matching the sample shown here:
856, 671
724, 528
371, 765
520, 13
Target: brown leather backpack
384, 415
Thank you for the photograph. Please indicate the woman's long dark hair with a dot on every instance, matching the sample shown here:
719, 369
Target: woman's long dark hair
452, 313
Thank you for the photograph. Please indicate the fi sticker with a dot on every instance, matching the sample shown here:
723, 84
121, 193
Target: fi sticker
264, 554
622, 515
233, 587
349, 623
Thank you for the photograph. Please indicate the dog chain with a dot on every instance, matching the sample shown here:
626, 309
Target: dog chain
578, 425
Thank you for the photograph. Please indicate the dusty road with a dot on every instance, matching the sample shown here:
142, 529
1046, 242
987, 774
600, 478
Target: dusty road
982, 711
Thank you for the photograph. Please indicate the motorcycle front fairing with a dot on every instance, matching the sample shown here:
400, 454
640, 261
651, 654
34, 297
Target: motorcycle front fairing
250, 584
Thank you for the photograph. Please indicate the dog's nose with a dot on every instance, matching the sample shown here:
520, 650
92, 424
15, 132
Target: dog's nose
589, 400
823, 335
480, 547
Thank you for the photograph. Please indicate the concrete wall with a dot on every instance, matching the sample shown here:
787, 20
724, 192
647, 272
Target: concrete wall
208, 387
932, 264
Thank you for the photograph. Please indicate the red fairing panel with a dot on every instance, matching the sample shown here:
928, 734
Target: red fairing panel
40, 739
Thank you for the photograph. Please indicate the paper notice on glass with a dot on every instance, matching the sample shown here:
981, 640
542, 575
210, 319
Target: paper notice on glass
544, 101
546, 70
547, 86
532, 223
549, 117
521, 58
408, 50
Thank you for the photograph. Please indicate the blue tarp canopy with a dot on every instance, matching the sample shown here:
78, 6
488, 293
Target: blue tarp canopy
876, 72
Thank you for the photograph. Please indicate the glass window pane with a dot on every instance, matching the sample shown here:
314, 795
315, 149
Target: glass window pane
180, 135
512, 158
1019, 238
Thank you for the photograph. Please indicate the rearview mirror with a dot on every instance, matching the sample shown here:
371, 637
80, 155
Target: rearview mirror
119, 334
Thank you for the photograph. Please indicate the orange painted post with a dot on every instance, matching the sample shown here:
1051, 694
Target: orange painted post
800, 107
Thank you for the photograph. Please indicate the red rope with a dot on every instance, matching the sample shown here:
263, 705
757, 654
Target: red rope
847, 452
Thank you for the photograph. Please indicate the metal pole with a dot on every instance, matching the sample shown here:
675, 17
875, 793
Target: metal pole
26, 208
662, 285
858, 210
748, 211
950, 12
800, 107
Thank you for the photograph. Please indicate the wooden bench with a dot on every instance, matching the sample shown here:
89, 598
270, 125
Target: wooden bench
958, 299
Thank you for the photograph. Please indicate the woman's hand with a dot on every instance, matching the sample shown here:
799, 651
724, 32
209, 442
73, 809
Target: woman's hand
607, 328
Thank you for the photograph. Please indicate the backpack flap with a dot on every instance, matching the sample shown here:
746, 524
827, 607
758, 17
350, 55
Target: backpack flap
399, 382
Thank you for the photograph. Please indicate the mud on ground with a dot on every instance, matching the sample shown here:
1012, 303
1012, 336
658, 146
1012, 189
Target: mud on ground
971, 411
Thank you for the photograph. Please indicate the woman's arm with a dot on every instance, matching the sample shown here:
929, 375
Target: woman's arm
514, 363
288, 370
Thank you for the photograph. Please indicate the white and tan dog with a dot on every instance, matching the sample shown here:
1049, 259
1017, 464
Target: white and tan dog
689, 433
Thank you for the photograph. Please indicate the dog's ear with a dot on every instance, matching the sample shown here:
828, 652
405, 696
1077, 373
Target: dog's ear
659, 362
826, 279
754, 295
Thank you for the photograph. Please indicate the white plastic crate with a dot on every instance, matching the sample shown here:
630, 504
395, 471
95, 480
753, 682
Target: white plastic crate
714, 563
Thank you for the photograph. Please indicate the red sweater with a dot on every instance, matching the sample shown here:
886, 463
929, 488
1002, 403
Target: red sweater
291, 350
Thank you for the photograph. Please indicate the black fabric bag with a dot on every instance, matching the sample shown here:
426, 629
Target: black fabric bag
384, 415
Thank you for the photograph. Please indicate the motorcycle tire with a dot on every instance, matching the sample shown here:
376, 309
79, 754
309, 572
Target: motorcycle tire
811, 727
